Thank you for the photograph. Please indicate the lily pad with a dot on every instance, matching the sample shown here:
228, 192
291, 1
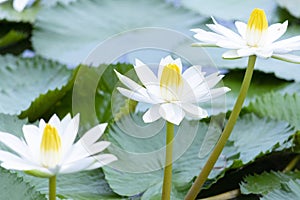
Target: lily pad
23, 80
14, 187
129, 140
77, 44
230, 9
278, 106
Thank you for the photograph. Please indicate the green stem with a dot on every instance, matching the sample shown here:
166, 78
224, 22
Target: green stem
196, 187
52, 188
167, 185
292, 164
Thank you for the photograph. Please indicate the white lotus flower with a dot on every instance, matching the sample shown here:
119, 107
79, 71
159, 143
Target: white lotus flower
48, 150
254, 38
173, 94
19, 5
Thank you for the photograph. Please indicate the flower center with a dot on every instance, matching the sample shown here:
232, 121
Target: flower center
170, 82
257, 28
50, 147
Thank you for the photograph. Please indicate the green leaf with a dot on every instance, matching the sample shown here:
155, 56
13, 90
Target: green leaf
116, 17
266, 182
94, 95
278, 106
230, 9
31, 85
7, 12
140, 161
252, 137
14, 187
291, 6
82, 186
292, 191
261, 84
11, 38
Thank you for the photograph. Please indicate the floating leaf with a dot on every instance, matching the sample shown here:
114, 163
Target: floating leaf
292, 191
230, 9
266, 182
82, 186
252, 137
24, 80
261, 84
11, 38
116, 16
291, 5
7, 12
278, 106
14, 187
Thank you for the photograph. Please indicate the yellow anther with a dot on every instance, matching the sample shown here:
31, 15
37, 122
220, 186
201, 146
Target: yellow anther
50, 146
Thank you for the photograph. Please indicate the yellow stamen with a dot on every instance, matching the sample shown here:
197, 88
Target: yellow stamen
170, 81
50, 147
257, 26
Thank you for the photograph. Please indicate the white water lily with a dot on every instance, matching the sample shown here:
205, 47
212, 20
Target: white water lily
19, 5
48, 150
254, 38
173, 94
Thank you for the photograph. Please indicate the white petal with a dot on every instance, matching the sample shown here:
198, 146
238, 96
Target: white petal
222, 30
155, 94
229, 44
11, 161
231, 54
287, 57
55, 121
207, 37
128, 82
33, 138
275, 31
285, 46
172, 113
134, 95
15, 144
77, 166
65, 121
193, 76
81, 150
93, 134
19, 5
242, 28
213, 79
152, 114
103, 159
144, 73
69, 135
194, 112
264, 53
214, 93
245, 52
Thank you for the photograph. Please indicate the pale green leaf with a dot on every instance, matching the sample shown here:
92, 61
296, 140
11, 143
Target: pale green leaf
292, 191
252, 137
102, 19
266, 182
291, 5
229, 9
13, 187
7, 12
278, 106
23, 80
